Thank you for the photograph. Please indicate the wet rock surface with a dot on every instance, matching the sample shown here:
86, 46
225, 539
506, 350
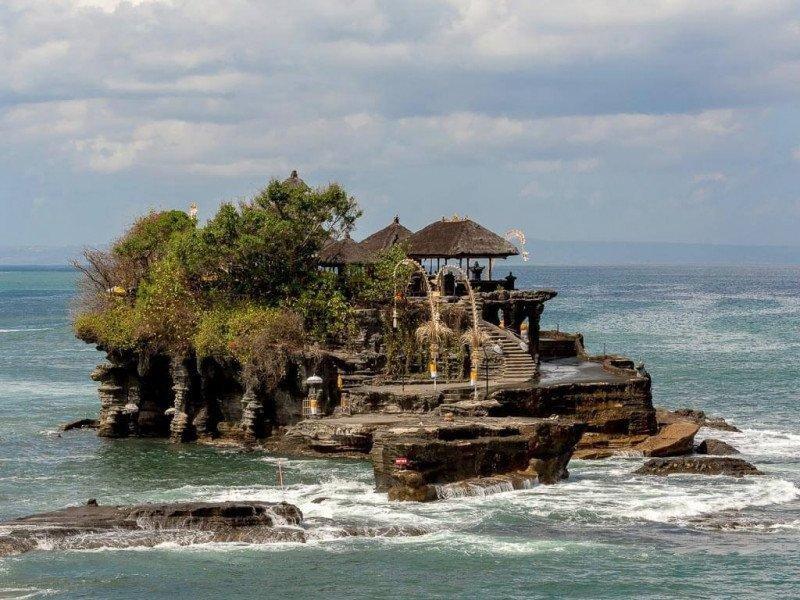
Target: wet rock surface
716, 448
79, 424
97, 526
675, 439
734, 467
666, 417
415, 462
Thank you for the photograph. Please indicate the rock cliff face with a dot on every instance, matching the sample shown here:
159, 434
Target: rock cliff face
189, 399
415, 457
417, 465
606, 407
675, 439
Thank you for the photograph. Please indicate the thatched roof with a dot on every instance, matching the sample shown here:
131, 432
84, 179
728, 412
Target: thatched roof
459, 238
392, 234
294, 180
344, 252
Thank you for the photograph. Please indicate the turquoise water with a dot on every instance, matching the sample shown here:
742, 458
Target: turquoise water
725, 340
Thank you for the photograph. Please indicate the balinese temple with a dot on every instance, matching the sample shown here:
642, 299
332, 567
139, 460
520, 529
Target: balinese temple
463, 240
389, 236
473, 248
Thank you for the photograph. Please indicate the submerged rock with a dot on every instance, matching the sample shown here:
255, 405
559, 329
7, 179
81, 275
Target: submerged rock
734, 467
79, 424
93, 526
716, 447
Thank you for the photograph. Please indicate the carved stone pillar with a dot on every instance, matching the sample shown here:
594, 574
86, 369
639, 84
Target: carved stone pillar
518, 312
134, 403
202, 415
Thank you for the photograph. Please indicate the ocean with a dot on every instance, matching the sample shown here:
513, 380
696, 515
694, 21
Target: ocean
724, 339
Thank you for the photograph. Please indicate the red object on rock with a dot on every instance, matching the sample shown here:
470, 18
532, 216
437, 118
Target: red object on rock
401, 461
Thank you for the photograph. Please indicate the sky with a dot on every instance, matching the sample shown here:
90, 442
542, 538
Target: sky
662, 121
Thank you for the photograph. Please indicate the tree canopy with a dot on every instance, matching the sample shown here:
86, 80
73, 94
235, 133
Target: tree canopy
245, 281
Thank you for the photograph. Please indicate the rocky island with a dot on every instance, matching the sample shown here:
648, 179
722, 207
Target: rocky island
269, 327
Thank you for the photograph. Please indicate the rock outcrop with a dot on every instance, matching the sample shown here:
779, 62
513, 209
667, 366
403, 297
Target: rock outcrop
666, 417
621, 405
734, 467
93, 526
675, 439
419, 463
716, 448
79, 424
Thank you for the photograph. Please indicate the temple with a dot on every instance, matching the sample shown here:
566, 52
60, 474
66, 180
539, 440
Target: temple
446, 379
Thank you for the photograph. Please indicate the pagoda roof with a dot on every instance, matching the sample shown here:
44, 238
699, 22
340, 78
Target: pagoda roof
344, 252
389, 236
459, 238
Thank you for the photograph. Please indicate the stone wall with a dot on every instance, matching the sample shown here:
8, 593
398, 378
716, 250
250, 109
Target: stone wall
555, 345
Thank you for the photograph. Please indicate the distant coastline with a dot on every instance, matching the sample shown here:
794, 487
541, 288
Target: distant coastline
543, 253
658, 253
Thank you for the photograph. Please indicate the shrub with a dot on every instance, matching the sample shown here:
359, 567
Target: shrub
242, 286
260, 338
377, 283
113, 328
167, 311
325, 311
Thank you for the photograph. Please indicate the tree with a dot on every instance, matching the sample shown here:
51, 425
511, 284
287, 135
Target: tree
267, 248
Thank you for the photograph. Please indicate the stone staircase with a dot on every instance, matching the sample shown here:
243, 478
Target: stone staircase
517, 364
357, 374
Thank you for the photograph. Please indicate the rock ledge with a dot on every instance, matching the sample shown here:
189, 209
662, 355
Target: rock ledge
734, 467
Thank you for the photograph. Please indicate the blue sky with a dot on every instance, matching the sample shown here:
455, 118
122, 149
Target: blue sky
671, 121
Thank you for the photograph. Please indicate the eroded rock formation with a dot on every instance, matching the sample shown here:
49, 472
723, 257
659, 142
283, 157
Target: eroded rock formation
734, 467
186, 399
665, 417
675, 439
93, 526
715, 448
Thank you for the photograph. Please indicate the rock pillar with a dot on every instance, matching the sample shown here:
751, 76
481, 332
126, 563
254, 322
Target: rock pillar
252, 414
180, 428
113, 421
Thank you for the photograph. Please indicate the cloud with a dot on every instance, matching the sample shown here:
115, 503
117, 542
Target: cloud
714, 177
617, 99
578, 165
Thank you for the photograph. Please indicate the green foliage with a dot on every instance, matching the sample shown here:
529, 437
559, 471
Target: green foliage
266, 248
147, 238
168, 312
259, 337
114, 327
212, 338
246, 285
325, 311
377, 283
